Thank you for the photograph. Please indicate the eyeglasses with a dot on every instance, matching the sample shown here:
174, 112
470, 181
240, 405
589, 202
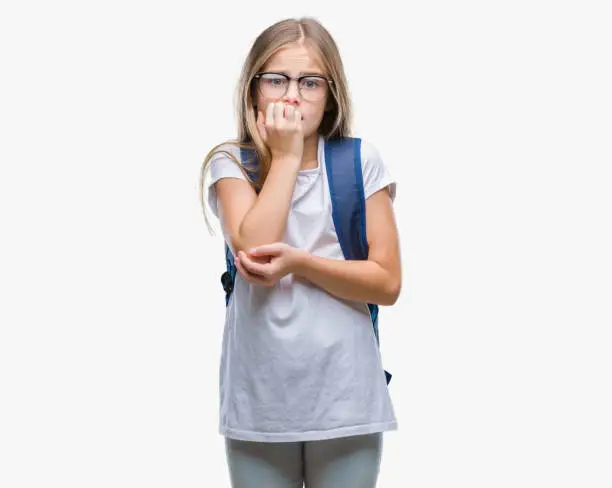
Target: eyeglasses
275, 85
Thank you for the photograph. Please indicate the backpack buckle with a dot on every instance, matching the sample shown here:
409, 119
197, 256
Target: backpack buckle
227, 282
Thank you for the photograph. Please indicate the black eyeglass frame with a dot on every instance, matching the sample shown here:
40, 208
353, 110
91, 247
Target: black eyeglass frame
289, 78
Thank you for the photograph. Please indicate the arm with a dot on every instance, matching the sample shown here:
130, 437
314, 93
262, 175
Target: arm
251, 219
376, 280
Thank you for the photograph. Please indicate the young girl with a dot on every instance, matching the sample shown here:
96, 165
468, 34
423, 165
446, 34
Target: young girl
303, 395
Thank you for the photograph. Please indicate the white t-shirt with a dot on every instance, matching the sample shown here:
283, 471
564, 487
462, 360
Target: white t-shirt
298, 363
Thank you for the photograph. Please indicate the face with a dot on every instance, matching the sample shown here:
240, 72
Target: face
296, 60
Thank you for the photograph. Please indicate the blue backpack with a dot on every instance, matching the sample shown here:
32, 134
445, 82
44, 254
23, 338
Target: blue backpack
343, 164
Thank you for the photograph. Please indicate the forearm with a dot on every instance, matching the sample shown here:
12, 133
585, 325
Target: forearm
265, 222
364, 281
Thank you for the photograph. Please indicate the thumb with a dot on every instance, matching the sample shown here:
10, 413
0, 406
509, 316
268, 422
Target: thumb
267, 250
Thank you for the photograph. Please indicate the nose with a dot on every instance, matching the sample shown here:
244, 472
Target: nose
293, 93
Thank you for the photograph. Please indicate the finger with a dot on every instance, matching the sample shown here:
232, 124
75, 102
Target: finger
244, 271
274, 249
270, 115
289, 112
248, 276
253, 267
267, 270
254, 278
260, 259
278, 112
297, 116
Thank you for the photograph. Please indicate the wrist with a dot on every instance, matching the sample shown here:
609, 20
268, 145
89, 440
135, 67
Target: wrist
300, 261
286, 160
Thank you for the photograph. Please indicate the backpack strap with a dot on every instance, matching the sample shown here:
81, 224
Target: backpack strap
345, 179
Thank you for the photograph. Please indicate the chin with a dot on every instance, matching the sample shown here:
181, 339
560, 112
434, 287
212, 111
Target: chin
310, 130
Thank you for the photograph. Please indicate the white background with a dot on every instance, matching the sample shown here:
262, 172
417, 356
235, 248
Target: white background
495, 118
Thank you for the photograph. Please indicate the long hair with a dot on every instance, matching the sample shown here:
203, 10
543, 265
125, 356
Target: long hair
336, 120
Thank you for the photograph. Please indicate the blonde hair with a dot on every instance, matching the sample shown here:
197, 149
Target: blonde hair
337, 118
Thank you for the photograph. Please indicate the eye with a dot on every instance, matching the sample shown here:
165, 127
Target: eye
273, 80
312, 82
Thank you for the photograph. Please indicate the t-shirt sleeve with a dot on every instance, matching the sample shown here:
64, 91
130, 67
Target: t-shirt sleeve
222, 166
376, 175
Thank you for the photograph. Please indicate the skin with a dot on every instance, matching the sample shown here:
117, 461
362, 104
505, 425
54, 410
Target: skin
376, 280
251, 219
295, 60
256, 223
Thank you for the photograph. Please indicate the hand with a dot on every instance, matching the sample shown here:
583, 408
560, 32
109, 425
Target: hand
282, 131
266, 265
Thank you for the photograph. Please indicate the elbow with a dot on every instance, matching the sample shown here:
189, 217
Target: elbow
392, 292
245, 239
238, 244
246, 245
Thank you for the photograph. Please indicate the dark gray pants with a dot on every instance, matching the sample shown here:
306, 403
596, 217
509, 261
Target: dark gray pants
343, 462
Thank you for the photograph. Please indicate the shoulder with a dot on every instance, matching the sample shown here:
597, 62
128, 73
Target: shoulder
369, 151
225, 162
224, 152
376, 174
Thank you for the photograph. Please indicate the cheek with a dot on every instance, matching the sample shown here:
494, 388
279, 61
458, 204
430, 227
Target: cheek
260, 102
314, 112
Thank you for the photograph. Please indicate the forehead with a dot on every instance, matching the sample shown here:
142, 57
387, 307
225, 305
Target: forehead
294, 59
